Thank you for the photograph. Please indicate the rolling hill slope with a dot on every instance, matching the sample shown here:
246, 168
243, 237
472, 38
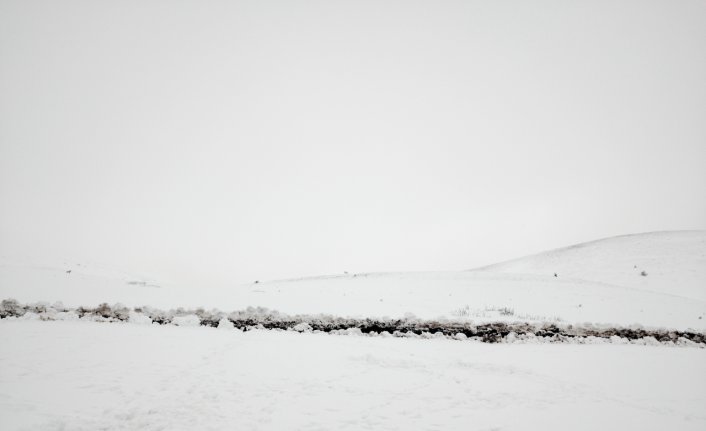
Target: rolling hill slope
674, 263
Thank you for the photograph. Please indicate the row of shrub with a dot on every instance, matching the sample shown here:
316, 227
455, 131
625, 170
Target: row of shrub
263, 318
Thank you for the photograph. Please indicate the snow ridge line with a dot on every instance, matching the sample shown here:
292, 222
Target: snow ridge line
412, 327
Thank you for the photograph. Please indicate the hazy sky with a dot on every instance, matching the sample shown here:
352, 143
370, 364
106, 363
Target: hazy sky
225, 141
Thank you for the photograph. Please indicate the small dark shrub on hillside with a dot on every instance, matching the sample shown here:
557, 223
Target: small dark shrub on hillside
505, 311
643, 273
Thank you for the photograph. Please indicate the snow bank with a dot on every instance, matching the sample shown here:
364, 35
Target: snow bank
225, 324
139, 318
188, 320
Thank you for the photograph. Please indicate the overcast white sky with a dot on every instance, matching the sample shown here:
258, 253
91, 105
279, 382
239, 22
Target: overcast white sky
224, 141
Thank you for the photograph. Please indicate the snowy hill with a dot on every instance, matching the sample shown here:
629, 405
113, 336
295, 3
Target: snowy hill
597, 282
673, 262
72, 282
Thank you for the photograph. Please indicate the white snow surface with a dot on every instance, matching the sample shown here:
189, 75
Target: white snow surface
674, 261
189, 320
76, 375
597, 282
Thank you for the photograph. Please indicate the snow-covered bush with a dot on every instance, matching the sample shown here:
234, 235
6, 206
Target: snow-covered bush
103, 310
121, 312
50, 314
38, 307
188, 320
302, 327
138, 318
211, 317
11, 308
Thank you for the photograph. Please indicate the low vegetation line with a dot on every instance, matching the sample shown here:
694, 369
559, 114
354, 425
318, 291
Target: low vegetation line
263, 318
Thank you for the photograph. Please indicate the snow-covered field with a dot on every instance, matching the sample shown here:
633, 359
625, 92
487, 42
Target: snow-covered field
86, 375
90, 376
